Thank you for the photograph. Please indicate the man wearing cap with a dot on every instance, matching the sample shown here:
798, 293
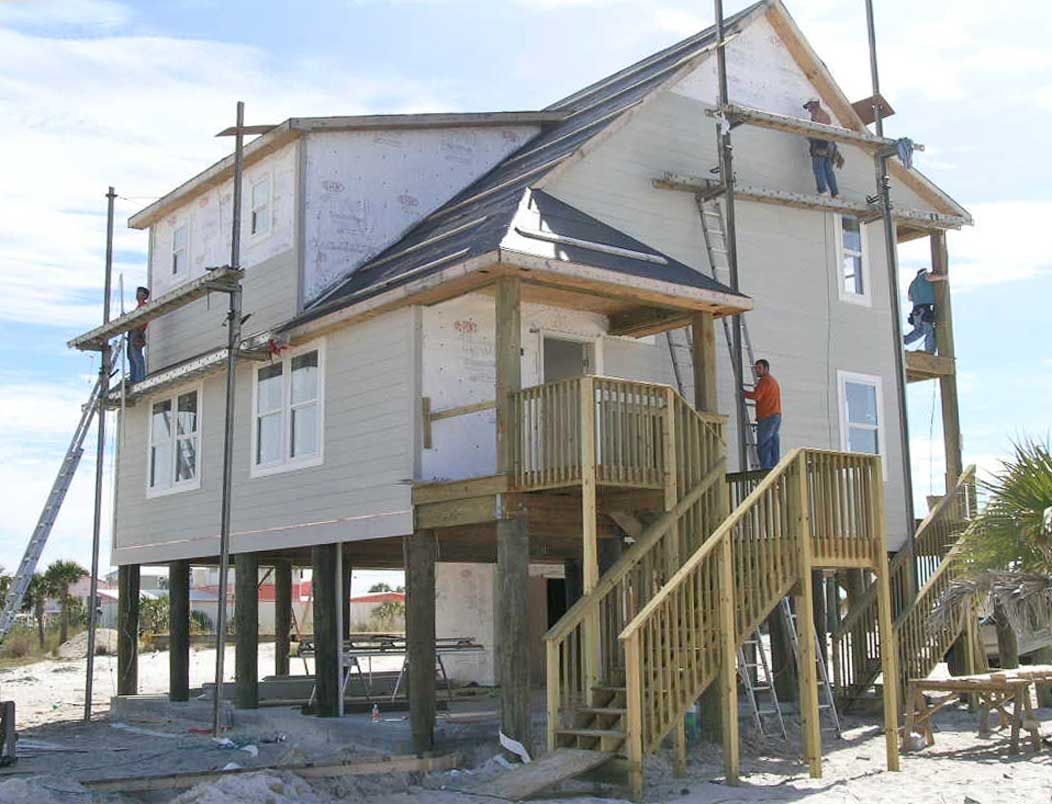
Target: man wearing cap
137, 341
922, 317
823, 152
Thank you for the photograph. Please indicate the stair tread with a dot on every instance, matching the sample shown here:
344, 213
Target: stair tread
603, 710
586, 732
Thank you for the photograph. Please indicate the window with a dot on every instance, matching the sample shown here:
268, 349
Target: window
287, 399
259, 206
180, 247
852, 263
175, 433
861, 413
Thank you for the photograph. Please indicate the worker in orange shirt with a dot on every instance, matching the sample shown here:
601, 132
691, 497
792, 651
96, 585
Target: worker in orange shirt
768, 396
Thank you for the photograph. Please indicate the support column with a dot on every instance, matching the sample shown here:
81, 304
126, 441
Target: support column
951, 421
420, 552
179, 631
889, 652
818, 595
246, 627
282, 615
345, 597
805, 634
128, 630
703, 331
326, 637
513, 543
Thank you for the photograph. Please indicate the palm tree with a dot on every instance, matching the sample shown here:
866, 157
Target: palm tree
37, 593
60, 576
1008, 547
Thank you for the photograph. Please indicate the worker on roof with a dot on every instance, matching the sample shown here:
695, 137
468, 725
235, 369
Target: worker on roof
768, 397
922, 316
824, 153
137, 340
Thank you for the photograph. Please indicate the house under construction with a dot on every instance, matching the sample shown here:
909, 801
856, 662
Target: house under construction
492, 348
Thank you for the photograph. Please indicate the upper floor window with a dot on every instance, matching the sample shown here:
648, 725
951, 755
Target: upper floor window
852, 260
180, 247
287, 401
861, 413
259, 206
174, 444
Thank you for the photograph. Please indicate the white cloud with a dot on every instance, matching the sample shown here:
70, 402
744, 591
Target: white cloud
79, 13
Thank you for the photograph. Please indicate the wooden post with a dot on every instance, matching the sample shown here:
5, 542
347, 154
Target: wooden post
889, 651
179, 631
128, 630
246, 627
634, 715
326, 636
818, 595
589, 530
805, 634
420, 551
704, 358
513, 542
728, 678
951, 421
282, 615
345, 597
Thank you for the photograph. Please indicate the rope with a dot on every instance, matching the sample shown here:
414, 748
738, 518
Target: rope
931, 452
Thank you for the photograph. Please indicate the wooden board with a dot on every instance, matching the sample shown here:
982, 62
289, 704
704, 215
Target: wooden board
923, 366
528, 780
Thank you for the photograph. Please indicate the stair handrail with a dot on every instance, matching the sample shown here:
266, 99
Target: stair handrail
898, 561
576, 614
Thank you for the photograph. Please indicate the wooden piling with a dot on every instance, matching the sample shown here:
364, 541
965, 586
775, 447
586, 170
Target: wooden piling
326, 638
282, 615
179, 631
246, 626
128, 630
420, 551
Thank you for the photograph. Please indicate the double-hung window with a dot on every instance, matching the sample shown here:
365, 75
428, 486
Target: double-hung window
852, 261
174, 458
180, 248
861, 413
288, 411
259, 206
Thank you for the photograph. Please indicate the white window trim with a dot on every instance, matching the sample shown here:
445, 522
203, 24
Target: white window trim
173, 397
844, 377
289, 465
865, 298
174, 276
262, 234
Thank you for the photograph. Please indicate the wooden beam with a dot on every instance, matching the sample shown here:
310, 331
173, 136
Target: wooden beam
326, 636
128, 629
421, 550
746, 192
508, 364
309, 770
246, 625
641, 321
424, 493
345, 596
282, 615
804, 127
513, 559
951, 417
706, 396
179, 631
922, 366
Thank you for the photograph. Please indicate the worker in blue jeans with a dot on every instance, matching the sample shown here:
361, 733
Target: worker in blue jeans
768, 397
922, 316
824, 153
137, 341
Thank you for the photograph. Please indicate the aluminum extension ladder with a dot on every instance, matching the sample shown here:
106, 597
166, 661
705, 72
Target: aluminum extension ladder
20, 582
825, 690
681, 342
764, 684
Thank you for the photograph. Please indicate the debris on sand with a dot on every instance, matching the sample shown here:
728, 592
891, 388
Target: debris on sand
77, 647
251, 788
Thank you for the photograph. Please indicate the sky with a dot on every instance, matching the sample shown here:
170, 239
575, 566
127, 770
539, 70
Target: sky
99, 92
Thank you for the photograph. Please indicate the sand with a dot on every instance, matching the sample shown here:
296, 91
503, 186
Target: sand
77, 648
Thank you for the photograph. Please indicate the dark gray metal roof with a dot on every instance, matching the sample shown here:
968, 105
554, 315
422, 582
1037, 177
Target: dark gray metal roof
475, 220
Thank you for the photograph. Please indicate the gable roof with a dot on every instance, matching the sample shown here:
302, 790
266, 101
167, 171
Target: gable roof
476, 220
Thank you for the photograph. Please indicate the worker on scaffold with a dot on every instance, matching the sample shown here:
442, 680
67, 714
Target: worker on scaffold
768, 397
923, 315
824, 153
137, 341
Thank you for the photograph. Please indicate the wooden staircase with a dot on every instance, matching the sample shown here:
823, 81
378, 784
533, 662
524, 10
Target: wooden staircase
855, 648
630, 658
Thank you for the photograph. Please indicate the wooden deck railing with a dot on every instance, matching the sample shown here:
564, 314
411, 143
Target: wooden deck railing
856, 649
678, 642
696, 465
